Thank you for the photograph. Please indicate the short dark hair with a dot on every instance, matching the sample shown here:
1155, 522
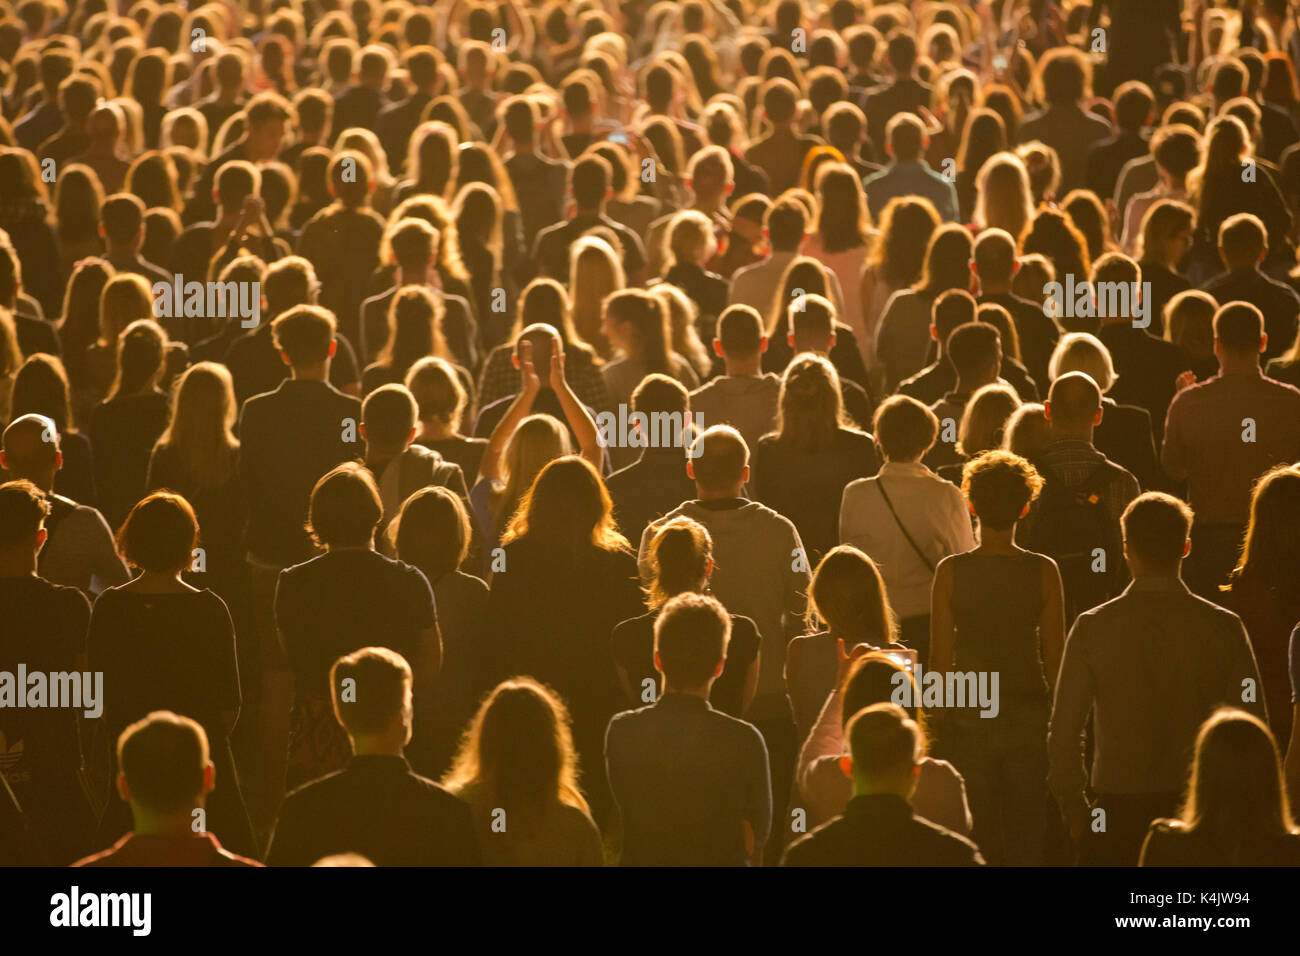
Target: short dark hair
160, 533
691, 635
904, 428
786, 222
380, 689
388, 414
973, 347
162, 757
122, 215
590, 180
345, 507
952, 309
998, 485
1243, 239
1156, 527
659, 393
304, 333
1239, 327
22, 509
740, 331
1133, 103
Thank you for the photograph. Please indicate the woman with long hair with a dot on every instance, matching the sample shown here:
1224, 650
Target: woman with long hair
895, 263
414, 331
442, 404
683, 327
982, 425
984, 136
126, 425
1168, 230
1086, 211
861, 678
147, 82
77, 200
78, 330
198, 456
596, 272
432, 532
800, 470
903, 337
11, 358
153, 178
690, 245
1262, 588
680, 556
807, 276
847, 607
1004, 199
1236, 812
430, 162
842, 240
636, 324
365, 142
163, 644
40, 387
517, 762
1219, 190
563, 542
25, 218
1053, 234
478, 213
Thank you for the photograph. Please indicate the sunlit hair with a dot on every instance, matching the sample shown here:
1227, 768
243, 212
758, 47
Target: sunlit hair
985, 418
1270, 548
185, 127
1082, 352
365, 142
596, 272
431, 158
679, 555
999, 484
873, 679
535, 442
906, 226
432, 532
1163, 222
646, 327
414, 329
842, 218
201, 432
1003, 199
689, 239
811, 408
1236, 795
478, 213
519, 749
141, 351
78, 196
848, 598
803, 272
567, 509
682, 316
126, 297
40, 384
1027, 431
437, 390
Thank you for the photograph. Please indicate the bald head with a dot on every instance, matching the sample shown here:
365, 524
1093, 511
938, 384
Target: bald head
31, 450
1073, 405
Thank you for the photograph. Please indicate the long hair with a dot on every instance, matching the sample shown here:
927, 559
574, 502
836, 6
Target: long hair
545, 300
431, 161
41, 388
201, 430
683, 337
906, 226
519, 749
79, 326
947, 261
1270, 548
848, 598
567, 510
535, 442
805, 273
478, 163
414, 329
141, 349
1003, 197
679, 555
1236, 795
842, 219
478, 213
1226, 142
126, 297
811, 407
597, 273
646, 320
984, 136
985, 419
78, 197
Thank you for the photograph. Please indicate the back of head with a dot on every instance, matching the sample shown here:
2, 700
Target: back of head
906, 137
371, 688
590, 181
679, 556
1239, 328
1000, 485
1236, 794
438, 393
1085, 353
952, 309
975, 350
389, 416
122, 216
159, 534
995, 256
305, 334
345, 507
1156, 528
163, 757
23, 509
885, 745
719, 458
1242, 241
1073, 400
567, 509
691, 636
658, 394
740, 331
848, 598
786, 222
432, 531
904, 428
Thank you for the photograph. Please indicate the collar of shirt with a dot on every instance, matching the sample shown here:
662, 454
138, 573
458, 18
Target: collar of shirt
901, 468
379, 763
1170, 585
672, 701
880, 806
722, 504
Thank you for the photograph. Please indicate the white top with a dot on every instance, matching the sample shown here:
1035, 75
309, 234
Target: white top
935, 515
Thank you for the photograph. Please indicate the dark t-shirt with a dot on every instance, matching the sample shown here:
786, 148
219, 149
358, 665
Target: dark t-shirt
343, 601
123, 431
633, 644
165, 652
45, 629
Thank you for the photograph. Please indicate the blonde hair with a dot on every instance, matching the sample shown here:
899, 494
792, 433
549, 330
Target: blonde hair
201, 430
536, 442
1027, 431
597, 272
125, 298
690, 238
985, 418
1003, 197
1082, 352
679, 557
437, 391
682, 315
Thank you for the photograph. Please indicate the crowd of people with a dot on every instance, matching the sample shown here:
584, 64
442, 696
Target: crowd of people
716, 432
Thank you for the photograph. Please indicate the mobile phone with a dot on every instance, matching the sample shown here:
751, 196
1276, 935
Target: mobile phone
904, 657
1000, 62
620, 137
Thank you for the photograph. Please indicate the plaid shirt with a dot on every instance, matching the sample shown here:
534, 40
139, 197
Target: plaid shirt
1073, 460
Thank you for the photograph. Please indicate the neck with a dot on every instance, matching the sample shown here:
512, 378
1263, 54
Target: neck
883, 788
708, 204
706, 495
1233, 362
743, 367
702, 692
997, 539
434, 430
581, 212
379, 745
310, 373
1071, 432
176, 824
1142, 571
17, 562
994, 288
120, 250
